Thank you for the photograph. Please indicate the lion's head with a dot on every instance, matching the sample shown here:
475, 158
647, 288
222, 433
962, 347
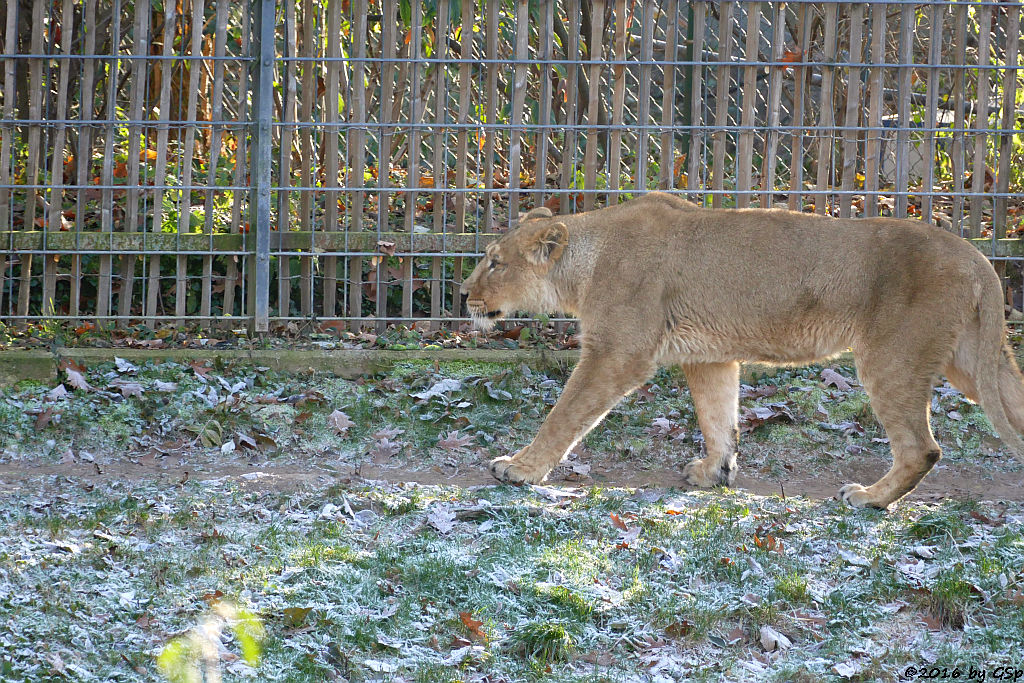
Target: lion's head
512, 274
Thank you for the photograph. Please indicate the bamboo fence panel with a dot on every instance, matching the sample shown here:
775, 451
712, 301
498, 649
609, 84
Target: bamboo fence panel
959, 50
618, 100
357, 156
644, 99
801, 74
84, 154
465, 83
515, 147
307, 198
55, 219
745, 151
491, 31
371, 117
935, 39
140, 40
232, 270
10, 41
188, 152
593, 104
826, 119
696, 97
415, 42
667, 166
873, 145
104, 281
851, 119
543, 136
289, 115
566, 202
980, 122
387, 79
720, 134
160, 170
907, 22
771, 144
35, 110
332, 160
439, 172
1009, 117
215, 138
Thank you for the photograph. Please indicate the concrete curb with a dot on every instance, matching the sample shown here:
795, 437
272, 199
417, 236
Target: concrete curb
21, 364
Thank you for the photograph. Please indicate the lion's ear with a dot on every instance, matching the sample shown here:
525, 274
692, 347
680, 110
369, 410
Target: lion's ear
548, 244
539, 212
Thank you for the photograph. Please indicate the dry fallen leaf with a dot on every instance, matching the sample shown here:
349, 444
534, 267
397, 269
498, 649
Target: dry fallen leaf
441, 518
830, 376
772, 640
340, 422
57, 393
76, 379
452, 441
127, 388
384, 449
473, 626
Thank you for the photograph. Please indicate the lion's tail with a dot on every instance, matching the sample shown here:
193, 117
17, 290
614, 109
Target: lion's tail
998, 381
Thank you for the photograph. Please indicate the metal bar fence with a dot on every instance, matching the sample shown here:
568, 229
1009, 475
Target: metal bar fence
172, 162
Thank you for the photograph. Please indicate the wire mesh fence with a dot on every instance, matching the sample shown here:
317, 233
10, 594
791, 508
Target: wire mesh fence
258, 162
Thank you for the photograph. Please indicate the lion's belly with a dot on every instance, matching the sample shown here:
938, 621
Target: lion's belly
788, 344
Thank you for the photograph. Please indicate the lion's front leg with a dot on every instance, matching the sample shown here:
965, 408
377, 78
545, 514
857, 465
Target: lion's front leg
714, 388
594, 388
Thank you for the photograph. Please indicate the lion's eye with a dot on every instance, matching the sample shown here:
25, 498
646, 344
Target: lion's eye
494, 264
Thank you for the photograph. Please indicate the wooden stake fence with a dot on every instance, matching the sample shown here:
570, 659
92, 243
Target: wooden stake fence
401, 136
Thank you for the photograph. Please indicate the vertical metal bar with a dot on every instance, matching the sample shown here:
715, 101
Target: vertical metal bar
263, 96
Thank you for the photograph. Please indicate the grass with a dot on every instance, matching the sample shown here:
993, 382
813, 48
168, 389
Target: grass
524, 589
362, 579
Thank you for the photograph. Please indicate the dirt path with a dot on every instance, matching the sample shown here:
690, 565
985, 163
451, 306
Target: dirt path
947, 481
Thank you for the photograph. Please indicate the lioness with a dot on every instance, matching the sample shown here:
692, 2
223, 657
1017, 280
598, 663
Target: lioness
659, 281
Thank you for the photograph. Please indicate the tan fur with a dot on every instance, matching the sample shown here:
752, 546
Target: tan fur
659, 281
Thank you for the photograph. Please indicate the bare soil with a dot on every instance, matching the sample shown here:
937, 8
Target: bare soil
947, 481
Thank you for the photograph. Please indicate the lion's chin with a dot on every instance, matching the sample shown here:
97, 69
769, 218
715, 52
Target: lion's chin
485, 321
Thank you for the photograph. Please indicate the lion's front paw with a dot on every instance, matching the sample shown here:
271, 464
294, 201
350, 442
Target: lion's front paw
859, 496
706, 475
514, 471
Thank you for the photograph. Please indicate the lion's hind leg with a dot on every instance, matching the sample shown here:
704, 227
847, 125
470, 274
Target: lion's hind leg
715, 389
899, 387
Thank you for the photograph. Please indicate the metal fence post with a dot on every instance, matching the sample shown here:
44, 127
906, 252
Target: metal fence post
259, 205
